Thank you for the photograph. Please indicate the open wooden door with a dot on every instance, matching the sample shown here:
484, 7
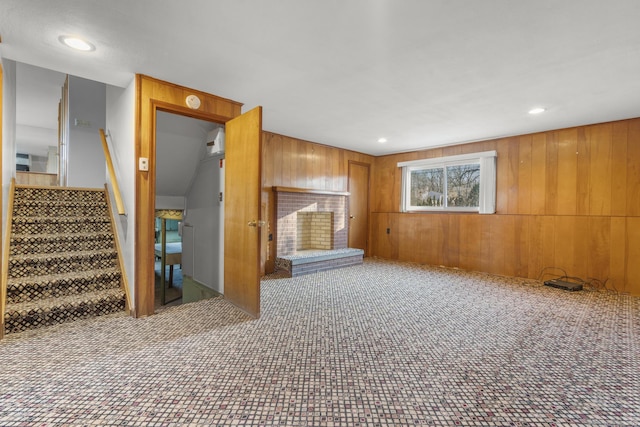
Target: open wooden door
242, 220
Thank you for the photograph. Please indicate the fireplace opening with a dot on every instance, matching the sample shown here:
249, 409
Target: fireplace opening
314, 231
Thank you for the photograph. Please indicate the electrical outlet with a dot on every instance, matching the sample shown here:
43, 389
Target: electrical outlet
143, 164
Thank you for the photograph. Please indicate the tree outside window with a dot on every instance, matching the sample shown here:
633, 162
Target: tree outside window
463, 182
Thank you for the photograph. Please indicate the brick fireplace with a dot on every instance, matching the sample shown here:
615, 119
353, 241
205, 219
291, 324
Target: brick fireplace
312, 230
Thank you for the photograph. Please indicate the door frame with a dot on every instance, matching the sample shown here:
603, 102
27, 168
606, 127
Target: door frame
368, 166
154, 95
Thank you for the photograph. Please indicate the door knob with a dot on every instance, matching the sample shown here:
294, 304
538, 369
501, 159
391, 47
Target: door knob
352, 217
256, 223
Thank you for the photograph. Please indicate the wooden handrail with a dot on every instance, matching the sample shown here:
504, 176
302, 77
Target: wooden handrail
5, 256
124, 280
112, 175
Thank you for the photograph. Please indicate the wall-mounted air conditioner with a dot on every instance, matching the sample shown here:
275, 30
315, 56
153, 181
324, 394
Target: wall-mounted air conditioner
215, 141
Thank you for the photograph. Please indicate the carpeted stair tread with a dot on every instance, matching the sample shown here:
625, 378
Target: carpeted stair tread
46, 312
64, 262
51, 243
62, 256
48, 303
59, 193
64, 220
43, 236
54, 225
24, 289
58, 202
61, 208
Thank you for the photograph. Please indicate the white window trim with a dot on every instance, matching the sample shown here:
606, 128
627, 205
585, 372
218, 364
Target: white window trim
487, 161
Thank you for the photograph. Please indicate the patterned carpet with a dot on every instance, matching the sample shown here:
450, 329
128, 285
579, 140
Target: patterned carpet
63, 264
383, 344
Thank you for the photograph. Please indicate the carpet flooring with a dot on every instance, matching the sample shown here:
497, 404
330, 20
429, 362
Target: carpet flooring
382, 344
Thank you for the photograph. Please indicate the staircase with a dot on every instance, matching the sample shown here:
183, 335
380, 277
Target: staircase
63, 264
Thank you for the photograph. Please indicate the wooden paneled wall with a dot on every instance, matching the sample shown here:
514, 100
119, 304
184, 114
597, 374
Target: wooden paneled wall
291, 162
566, 199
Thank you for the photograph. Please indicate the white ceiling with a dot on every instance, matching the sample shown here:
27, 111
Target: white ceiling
419, 72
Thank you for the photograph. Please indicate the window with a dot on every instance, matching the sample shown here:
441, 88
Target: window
456, 183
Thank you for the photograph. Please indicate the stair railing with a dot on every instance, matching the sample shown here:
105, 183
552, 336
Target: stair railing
112, 175
6, 247
124, 281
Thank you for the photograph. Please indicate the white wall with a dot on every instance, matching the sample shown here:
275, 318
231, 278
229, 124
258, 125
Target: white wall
203, 214
34, 140
87, 103
8, 131
120, 127
170, 202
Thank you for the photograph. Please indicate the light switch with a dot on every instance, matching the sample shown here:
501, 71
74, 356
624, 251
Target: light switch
143, 164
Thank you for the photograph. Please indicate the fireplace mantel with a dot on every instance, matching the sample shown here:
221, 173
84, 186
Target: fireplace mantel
310, 191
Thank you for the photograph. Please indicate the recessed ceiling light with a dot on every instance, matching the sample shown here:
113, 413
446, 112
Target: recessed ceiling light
76, 43
382, 140
537, 110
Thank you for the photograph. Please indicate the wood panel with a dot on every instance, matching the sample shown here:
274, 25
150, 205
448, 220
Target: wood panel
521, 236
632, 273
470, 242
513, 175
598, 191
3, 252
410, 235
384, 181
538, 173
583, 158
567, 171
385, 243
567, 201
295, 163
597, 247
618, 256
633, 168
523, 190
620, 134
551, 176
502, 177
153, 95
452, 236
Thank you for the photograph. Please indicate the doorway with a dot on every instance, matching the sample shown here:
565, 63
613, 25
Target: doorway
359, 206
188, 210
154, 95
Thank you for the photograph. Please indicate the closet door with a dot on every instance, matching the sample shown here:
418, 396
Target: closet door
242, 213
